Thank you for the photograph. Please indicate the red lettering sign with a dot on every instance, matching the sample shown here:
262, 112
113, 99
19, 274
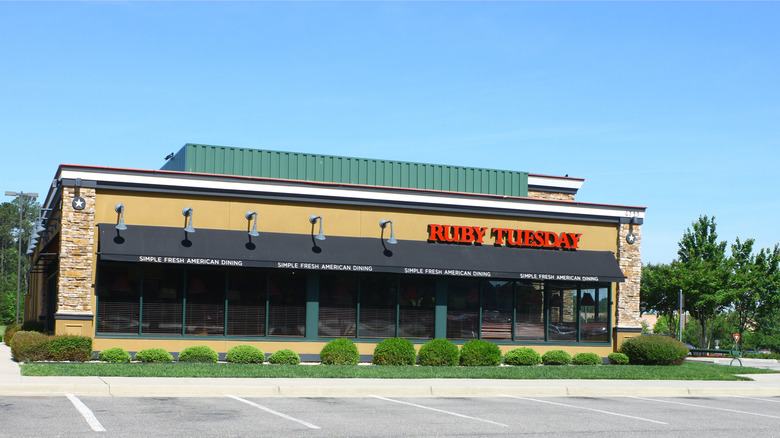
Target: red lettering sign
503, 236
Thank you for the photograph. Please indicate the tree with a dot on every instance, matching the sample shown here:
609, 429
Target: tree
753, 283
659, 293
10, 233
702, 272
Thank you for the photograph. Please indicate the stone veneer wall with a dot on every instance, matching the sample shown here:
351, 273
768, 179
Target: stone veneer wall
630, 262
77, 239
554, 196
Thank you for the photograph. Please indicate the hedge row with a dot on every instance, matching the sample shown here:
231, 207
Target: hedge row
31, 346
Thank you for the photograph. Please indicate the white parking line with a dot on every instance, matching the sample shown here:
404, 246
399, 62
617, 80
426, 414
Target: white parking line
756, 398
706, 407
439, 410
86, 413
584, 408
271, 411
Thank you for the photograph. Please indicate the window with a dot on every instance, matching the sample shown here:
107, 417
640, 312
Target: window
246, 296
418, 295
163, 292
378, 306
205, 310
338, 305
287, 304
463, 308
118, 300
497, 309
529, 315
562, 325
594, 305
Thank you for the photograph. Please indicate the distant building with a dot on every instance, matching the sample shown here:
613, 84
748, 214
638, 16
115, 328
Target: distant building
224, 246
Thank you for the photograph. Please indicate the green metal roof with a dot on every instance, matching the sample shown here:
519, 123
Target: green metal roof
224, 160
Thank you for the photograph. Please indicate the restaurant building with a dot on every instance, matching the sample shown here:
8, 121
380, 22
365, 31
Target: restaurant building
226, 246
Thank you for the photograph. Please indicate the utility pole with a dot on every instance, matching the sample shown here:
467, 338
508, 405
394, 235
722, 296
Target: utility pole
21, 196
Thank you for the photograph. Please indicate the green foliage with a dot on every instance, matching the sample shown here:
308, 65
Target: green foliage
522, 356
71, 348
10, 331
586, 359
244, 353
154, 355
198, 353
654, 350
476, 353
556, 357
439, 352
618, 359
29, 346
285, 357
114, 355
340, 351
394, 351
659, 293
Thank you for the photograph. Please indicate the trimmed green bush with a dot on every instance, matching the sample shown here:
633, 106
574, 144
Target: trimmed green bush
154, 355
479, 353
586, 359
439, 352
394, 351
654, 350
198, 353
618, 359
70, 348
522, 356
114, 355
10, 331
340, 351
29, 346
556, 357
244, 353
285, 357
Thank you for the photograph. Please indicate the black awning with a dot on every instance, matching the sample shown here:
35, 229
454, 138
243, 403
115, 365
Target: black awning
299, 251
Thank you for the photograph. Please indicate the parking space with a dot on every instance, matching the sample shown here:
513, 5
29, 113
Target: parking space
389, 416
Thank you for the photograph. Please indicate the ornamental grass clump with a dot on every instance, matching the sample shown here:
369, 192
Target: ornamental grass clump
617, 359
522, 356
439, 352
285, 357
479, 353
556, 357
244, 353
340, 351
153, 355
654, 350
114, 355
586, 359
198, 353
394, 351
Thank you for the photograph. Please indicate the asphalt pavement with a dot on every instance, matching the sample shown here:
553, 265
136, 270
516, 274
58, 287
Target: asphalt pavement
12, 383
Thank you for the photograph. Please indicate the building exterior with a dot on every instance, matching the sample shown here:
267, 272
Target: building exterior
227, 246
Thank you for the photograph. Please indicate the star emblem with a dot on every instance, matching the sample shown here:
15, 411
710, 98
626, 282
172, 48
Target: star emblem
79, 203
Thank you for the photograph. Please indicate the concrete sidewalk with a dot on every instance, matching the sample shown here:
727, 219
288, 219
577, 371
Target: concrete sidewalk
12, 383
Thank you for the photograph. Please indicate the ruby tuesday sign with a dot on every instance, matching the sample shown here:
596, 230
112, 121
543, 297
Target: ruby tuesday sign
502, 236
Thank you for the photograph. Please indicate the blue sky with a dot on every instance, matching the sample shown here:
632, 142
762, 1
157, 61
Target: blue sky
671, 106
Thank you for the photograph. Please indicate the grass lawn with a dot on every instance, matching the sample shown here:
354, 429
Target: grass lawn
686, 371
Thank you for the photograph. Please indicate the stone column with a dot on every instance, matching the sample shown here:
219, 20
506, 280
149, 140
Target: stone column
629, 257
77, 238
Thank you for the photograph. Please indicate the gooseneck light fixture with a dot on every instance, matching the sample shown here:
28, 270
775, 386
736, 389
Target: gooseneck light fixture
187, 212
313, 219
120, 210
383, 223
248, 216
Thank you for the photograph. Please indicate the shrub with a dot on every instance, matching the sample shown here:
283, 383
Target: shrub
198, 353
33, 326
586, 359
71, 348
244, 353
114, 355
10, 331
29, 346
556, 357
654, 350
285, 357
340, 351
618, 359
394, 351
439, 352
478, 353
522, 356
154, 355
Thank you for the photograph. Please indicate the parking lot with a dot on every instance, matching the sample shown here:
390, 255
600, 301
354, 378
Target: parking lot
70, 415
